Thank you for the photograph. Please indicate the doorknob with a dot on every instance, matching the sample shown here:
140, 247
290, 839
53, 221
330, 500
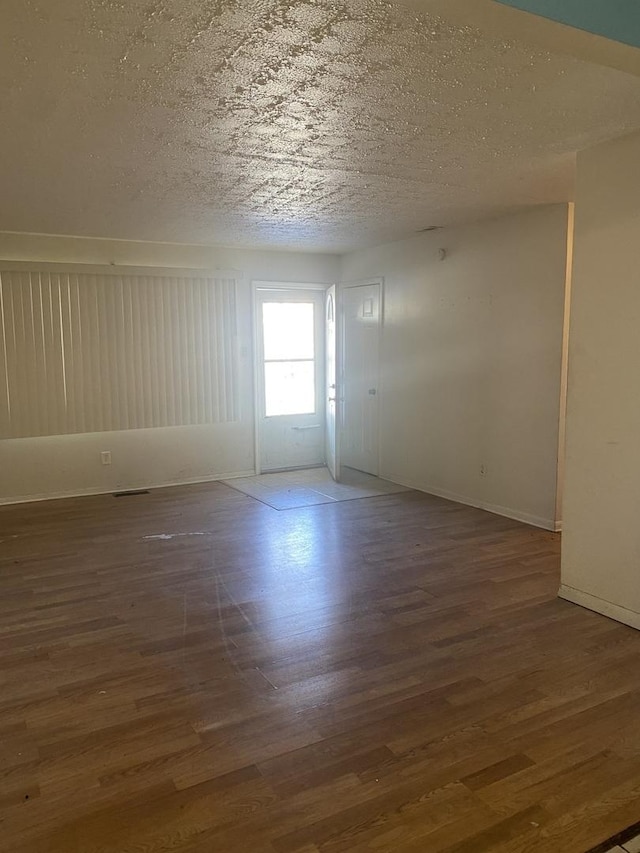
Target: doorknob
331, 399
372, 392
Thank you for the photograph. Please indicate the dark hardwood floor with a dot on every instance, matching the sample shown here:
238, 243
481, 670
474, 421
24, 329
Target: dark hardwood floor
388, 674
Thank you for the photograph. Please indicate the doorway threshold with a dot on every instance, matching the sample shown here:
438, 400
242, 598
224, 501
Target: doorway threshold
312, 487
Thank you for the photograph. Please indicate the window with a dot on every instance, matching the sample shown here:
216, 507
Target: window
289, 363
91, 352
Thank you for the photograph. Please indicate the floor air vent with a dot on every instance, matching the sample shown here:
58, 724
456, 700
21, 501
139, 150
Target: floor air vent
130, 494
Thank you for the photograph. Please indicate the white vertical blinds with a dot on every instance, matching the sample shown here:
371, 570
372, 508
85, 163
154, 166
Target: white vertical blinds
85, 352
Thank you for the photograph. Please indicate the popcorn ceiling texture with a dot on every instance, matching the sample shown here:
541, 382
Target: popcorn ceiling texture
273, 123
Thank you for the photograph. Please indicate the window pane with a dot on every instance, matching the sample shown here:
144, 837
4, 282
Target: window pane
288, 330
289, 388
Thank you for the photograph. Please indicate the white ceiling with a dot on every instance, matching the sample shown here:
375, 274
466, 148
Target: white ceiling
305, 125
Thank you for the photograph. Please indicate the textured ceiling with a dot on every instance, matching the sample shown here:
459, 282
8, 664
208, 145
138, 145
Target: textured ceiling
307, 125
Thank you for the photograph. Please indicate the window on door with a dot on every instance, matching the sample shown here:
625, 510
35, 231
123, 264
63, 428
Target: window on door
288, 330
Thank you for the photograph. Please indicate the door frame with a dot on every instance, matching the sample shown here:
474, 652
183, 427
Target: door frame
341, 331
258, 285
337, 390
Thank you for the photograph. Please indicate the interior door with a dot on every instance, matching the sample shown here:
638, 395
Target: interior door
290, 372
331, 381
360, 355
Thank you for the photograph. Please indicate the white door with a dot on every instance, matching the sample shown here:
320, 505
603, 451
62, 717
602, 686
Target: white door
290, 343
361, 322
331, 381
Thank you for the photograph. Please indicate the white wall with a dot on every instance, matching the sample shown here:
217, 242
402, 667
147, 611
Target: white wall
601, 541
471, 360
70, 464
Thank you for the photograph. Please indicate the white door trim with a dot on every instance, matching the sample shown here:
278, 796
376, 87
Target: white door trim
335, 452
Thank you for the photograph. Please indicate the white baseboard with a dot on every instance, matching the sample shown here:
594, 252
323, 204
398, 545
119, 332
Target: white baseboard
80, 493
507, 512
600, 605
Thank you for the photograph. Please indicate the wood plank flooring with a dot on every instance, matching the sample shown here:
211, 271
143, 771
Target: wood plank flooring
191, 670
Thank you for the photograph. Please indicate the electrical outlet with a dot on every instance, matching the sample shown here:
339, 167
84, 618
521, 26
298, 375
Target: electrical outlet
106, 457
483, 470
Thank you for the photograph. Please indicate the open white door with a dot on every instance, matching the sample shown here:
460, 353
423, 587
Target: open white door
360, 324
331, 382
